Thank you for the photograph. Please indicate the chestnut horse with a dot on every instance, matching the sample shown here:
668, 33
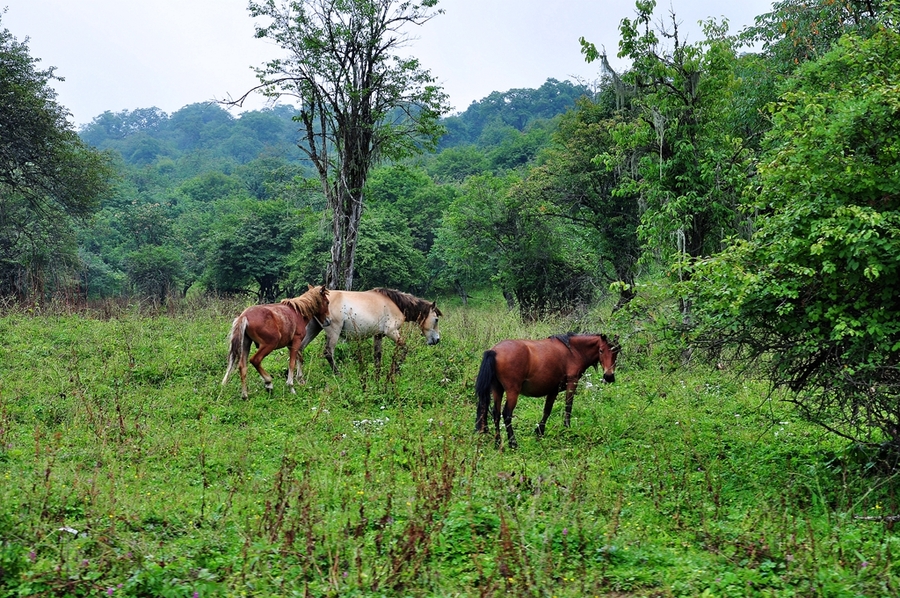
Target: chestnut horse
377, 313
273, 326
538, 368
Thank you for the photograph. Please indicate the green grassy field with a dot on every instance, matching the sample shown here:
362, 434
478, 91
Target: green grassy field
127, 470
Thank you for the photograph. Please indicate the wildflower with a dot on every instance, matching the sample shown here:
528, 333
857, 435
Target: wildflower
565, 531
32, 556
864, 564
109, 591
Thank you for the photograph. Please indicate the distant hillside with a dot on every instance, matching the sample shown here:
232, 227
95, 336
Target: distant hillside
145, 135
516, 108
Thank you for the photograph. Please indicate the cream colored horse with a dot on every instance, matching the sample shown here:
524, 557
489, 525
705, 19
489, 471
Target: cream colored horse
378, 313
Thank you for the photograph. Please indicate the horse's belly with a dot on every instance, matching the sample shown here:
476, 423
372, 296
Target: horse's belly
540, 388
362, 327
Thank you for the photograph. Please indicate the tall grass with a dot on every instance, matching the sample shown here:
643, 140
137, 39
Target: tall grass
127, 470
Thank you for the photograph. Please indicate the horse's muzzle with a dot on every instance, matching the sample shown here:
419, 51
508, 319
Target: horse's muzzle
609, 377
324, 324
433, 341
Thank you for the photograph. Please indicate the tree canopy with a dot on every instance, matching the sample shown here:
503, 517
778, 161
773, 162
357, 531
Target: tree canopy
49, 178
812, 295
360, 101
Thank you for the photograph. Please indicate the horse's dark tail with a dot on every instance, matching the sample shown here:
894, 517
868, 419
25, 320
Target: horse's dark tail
237, 346
487, 378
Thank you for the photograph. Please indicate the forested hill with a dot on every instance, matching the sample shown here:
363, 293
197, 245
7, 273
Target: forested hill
222, 202
515, 108
145, 135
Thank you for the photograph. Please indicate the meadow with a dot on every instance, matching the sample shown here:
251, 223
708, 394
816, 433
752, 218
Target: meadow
126, 469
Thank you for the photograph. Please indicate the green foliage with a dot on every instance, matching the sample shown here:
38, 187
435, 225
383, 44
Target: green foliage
491, 232
49, 179
361, 102
251, 246
814, 290
154, 270
796, 31
577, 183
411, 192
514, 108
692, 166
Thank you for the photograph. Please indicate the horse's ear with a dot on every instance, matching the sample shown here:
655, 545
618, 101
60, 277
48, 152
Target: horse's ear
310, 286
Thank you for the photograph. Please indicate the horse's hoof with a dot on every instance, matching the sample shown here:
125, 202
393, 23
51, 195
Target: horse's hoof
293, 392
539, 431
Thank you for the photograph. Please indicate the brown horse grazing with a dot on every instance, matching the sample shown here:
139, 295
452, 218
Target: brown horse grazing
538, 368
377, 313
274, 326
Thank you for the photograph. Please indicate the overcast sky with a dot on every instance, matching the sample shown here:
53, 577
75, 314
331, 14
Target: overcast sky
127, 54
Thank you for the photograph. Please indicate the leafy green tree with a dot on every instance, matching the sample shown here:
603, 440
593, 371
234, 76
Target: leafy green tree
691, 167
251, 248
578, 182
812, 297
104, 130
359, 100
412, 192
154, 271
387, 255
491, 235
516, 108
454, 164
211, 186
49, 179
796, 31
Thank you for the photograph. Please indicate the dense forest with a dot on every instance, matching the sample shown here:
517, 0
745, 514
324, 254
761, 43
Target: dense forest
761, 185
225, 204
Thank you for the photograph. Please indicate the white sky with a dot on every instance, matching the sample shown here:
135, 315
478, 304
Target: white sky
127, 54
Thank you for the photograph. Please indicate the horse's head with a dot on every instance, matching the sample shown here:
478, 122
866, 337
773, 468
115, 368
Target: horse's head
321, 313
429, 325
609, 350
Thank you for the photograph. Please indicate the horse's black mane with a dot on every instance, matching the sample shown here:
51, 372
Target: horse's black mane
565, 339
413, 308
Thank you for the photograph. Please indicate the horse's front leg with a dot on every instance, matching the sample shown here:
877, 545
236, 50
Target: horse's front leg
294, 363
378, 349
548, 407
330, 344
570, 395
398, 357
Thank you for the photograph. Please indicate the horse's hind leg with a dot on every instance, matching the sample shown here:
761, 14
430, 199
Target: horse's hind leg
495, 412
330, 343
511, 400
256, 360
548, 407
242, 365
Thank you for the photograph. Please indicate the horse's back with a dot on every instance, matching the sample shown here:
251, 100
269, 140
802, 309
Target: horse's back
271, 322
363, 312
533, 367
